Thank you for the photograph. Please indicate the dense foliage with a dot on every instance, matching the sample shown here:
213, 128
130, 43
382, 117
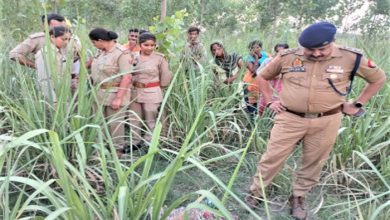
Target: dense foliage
371, 16
55, 162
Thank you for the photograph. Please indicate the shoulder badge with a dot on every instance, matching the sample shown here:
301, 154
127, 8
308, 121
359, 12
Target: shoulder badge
297, 62
371, 64
351, 49
37, 35
289, 51
297, 66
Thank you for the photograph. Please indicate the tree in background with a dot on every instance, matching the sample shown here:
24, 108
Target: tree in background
163, 10
377, 20
218, 15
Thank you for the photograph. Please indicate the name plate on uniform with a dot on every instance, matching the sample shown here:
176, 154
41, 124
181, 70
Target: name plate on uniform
335, 69
297, 69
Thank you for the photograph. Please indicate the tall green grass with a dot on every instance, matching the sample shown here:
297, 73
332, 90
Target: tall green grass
59, 162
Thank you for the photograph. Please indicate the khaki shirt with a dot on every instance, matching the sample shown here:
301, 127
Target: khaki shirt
32, 44
105, 68
36, 41
154, 69
44, 70
305, 84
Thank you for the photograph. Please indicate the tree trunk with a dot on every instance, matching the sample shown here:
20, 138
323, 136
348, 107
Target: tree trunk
201, 12
274, 25
163, 10
55, 6
273, 32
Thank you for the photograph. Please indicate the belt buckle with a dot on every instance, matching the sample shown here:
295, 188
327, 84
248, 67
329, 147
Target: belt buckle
312, 115
140, 85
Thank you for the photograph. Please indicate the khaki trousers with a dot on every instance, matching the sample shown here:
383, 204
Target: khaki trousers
146, 112
318, 135
116, 120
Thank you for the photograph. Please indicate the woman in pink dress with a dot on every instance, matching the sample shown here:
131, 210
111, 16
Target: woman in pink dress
275, 83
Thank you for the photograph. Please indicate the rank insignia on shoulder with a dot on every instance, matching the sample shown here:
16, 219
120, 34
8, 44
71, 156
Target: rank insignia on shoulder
289, 51
371, 64
122, 48
160, 54
297, 66
37, 35
351, 49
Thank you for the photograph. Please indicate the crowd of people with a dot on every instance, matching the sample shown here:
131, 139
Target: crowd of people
131, 75
305, 87
127, 77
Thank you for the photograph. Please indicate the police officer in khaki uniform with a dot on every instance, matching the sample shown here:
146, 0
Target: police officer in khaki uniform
49, 75
315, 78
150, 76
35, 41
110, 72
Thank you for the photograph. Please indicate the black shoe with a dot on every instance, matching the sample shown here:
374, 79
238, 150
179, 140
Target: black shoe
127, 149
252, 201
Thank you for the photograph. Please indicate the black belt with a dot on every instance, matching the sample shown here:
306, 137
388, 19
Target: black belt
316, 115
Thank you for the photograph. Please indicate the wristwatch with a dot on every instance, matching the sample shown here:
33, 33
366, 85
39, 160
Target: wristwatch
357, 104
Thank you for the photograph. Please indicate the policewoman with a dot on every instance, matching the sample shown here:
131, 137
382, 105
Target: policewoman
315, 79
151, 75
35, 41
110, 72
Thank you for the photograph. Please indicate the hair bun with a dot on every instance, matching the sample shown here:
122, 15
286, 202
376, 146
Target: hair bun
112, 35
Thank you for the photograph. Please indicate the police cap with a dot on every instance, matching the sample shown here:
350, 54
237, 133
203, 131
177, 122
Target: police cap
317, 35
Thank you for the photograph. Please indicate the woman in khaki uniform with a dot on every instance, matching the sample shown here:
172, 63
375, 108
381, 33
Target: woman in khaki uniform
150, 76
110, 72
35, 41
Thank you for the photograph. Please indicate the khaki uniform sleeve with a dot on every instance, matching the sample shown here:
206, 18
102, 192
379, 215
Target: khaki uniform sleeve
369, 71
40, 65
44, 81
124, 63
272, 69
165, 73
22, 49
